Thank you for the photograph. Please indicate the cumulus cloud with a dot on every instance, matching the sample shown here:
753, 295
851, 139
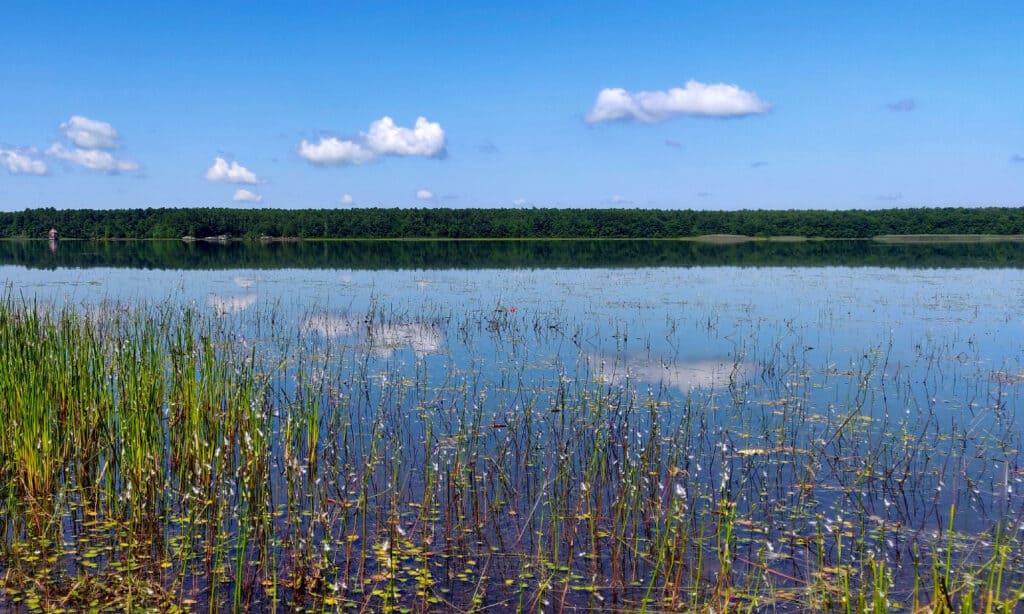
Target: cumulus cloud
331, 152
905, 105
617, 199
383, 138
696, 98
232, 172
424, 194
91, 139
21, 163
347, 199
425, 139
89, 133
93, 159
245, 196
520, 202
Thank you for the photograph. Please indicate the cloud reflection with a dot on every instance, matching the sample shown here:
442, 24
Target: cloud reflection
224, 305
684, 375
383, 338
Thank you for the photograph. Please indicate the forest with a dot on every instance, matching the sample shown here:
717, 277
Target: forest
484, 223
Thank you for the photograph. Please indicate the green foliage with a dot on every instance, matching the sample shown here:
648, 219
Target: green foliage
381, 223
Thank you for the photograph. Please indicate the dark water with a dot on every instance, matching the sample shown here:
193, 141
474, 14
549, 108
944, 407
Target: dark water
384, 255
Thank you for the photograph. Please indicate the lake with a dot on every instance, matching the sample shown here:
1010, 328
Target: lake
530, 425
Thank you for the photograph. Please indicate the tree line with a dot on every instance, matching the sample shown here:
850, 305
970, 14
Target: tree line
481, 223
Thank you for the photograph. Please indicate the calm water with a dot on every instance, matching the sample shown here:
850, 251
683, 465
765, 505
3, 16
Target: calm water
683, 326
925, 341
657, 301
393, 255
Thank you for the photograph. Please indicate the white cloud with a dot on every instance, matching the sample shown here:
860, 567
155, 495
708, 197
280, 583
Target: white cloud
384, 138
332, 152
617, 199
89, 133
425, 139
424, 194
714, 100
93, 159
91, 138
520, 202
232, 172
347, 199
19, 163
245, 196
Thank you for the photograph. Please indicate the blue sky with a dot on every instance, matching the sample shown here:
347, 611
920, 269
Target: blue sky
723, 105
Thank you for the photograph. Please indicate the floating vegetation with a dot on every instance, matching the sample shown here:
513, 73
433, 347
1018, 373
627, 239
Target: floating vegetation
174, 458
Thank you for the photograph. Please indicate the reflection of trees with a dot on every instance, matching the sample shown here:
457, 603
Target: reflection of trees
373, 255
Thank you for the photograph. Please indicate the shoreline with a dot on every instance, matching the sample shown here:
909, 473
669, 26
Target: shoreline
720, 239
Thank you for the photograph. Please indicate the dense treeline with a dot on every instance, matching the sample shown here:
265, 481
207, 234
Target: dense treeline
445, 254
381, 223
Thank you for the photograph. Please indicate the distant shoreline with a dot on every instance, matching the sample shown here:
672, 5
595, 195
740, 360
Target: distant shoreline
714, 239
950, 238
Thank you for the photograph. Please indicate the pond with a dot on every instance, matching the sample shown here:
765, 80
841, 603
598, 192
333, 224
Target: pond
621, 425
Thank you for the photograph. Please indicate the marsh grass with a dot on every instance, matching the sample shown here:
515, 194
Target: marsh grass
163, 458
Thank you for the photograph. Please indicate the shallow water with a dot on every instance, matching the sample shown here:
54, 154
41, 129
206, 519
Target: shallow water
909, 372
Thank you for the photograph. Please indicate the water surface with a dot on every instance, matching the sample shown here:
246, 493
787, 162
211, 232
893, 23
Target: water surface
805, 384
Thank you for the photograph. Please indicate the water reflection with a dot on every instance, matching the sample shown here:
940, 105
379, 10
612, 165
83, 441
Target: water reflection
684, 376
383, 338
328, 326
224, 305
435, 255
862, 405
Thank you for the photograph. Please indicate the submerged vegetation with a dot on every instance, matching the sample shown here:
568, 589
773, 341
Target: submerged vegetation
437, 223
163, 457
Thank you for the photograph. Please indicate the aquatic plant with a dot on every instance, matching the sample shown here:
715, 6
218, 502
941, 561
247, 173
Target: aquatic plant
163, 457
